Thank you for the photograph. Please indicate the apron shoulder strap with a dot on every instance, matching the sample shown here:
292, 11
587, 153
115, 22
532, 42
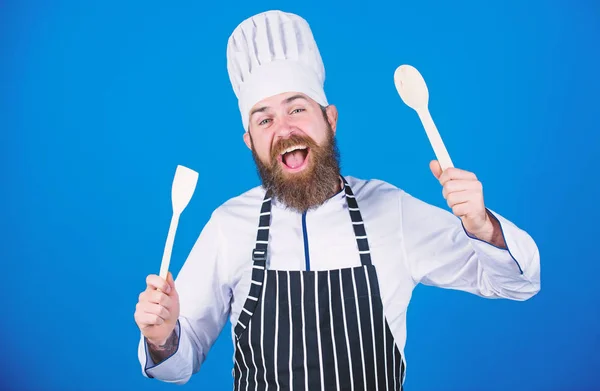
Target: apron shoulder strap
259, 262
359, 226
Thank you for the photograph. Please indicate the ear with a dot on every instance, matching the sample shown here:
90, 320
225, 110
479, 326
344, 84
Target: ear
332, 116
247, 139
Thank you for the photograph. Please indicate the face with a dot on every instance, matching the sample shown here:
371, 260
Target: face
293, 144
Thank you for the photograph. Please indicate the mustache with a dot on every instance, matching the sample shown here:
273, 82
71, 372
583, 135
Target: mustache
294, 139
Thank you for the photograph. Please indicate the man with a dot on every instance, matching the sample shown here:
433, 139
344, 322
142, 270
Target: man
315, 270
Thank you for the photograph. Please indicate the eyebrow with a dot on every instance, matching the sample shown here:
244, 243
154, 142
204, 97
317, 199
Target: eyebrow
286, 101
293, 98
258, 110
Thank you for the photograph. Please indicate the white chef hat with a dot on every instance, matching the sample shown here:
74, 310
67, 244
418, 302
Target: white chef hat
271, 53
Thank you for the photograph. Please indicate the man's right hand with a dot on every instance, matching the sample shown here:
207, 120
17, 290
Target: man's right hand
157, 310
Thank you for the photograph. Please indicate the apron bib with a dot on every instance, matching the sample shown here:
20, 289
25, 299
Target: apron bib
315, 330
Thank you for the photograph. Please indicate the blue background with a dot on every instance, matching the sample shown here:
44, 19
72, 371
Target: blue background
99, 101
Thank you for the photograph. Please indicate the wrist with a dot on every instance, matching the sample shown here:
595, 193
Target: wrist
161, 350
486, 232
491, 232
163, 344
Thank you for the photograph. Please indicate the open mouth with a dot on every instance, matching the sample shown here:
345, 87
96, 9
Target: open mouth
294, 158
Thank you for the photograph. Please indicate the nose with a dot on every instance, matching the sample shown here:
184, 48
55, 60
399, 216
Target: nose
285, 128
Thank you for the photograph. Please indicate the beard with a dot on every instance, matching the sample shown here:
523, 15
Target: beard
310, 187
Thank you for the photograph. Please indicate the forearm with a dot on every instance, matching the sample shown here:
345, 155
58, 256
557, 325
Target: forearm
161, 352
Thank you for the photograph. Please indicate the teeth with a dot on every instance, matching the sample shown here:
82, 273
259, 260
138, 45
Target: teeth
295, 147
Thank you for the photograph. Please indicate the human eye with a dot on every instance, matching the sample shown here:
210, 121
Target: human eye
264, 121
298, 110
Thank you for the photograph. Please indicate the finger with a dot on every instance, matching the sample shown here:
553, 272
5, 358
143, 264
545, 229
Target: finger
145, 319
153, 295
158, 297
171, 283
455, 173
462, 209
435, 168
458, 185
156, 282
459, 197
154, 309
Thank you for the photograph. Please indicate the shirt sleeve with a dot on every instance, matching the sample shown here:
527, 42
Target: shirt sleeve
441, 253
204, 298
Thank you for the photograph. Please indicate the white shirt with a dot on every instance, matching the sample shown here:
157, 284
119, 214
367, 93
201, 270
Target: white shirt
411, 242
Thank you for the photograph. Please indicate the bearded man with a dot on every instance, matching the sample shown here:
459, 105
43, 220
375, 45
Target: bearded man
314, 269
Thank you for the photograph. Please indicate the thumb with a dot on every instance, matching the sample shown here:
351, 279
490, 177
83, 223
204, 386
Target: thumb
171, 282
436, 169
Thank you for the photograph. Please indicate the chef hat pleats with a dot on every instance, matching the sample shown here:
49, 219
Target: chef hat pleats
272, 53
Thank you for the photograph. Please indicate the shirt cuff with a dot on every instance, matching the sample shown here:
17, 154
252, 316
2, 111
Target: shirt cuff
174, 369
506, 260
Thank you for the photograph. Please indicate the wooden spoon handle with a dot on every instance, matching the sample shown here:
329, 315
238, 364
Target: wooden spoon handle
435, 139
166, 259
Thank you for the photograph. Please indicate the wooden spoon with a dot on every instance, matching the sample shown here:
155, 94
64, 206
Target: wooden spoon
414, 93
184, 184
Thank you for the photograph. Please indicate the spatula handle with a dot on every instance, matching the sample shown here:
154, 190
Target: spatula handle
166, 259
435, 139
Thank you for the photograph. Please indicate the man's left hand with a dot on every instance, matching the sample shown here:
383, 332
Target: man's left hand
464, 194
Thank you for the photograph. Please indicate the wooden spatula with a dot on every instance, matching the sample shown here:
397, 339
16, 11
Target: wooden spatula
184, 184
413, 91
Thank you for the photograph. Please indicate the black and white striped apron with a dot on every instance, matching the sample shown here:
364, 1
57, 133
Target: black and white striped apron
315, 330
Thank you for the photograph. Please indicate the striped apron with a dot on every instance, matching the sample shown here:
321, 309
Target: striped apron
315, 330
